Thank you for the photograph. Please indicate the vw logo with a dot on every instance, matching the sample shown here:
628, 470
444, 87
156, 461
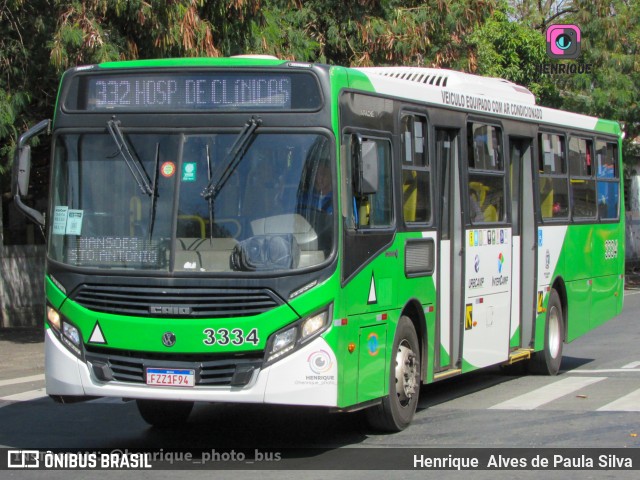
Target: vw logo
169, 339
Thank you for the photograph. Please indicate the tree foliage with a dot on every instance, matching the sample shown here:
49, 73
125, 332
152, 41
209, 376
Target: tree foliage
611, 44
513, 51
39, 39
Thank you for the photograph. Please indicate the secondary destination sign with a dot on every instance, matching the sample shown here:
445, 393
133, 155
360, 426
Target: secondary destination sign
176, 91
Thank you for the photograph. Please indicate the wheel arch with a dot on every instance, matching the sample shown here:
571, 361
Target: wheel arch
415, 312
560, 287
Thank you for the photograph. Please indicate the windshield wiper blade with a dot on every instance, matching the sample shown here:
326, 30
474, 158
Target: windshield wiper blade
232, 160
154, 195
209, 200
133, 162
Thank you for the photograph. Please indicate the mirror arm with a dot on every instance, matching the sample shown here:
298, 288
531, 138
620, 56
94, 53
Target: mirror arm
33, 131
31, 213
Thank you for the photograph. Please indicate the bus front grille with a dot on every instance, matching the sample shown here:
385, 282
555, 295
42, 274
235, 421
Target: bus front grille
175, 302
210, 370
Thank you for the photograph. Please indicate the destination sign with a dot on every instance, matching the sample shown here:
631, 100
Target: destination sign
199, 91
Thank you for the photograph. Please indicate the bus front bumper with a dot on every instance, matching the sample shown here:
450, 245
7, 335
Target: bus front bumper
308, 376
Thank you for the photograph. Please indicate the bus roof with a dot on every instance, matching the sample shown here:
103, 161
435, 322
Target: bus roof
474, 93
449, 88
237, 61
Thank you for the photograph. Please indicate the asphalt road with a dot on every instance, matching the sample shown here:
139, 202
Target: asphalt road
594, 403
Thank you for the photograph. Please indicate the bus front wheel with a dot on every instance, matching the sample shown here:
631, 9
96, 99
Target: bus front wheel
396, 410
163, 413
547, 361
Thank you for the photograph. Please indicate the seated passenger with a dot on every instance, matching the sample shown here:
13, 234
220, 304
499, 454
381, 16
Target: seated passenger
320, 197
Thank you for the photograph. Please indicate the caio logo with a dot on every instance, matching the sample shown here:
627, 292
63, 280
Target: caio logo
563, 41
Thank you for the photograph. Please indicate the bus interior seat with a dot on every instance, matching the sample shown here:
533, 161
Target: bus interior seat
191, 226
204, 254
295, 224
490, 213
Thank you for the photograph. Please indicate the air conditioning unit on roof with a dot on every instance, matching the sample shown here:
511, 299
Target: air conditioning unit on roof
458, 81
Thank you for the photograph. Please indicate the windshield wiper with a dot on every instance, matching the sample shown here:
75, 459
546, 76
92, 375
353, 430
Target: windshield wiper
233, 158
210, 199
154, 195
133, 162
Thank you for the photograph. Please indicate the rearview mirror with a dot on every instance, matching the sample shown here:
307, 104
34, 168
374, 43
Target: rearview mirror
366, 166
24, 170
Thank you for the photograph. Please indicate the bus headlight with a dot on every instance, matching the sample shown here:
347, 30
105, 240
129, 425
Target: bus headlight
293, 336
71, 333
313, 324
67, 333
283, 342
54, 318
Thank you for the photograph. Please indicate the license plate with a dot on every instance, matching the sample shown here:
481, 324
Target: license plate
171, 378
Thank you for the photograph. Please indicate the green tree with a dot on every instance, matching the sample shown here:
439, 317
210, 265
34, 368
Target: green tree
25, 74
430, 33
611, 45
313, 30
512, 50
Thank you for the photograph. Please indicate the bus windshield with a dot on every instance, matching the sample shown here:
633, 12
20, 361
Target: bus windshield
272, 211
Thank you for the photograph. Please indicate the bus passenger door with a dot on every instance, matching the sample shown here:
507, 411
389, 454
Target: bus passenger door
523, 292
448, 328
487, 248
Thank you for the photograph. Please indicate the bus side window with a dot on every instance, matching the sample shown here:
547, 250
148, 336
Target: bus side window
583, 186
608, 176
416, 172
370, 210
553, 181
486, 174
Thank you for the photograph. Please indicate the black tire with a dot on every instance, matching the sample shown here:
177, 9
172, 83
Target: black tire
398, 408
163, 413
547, 361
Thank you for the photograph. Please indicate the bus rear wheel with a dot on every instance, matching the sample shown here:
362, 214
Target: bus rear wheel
547, 361
396, 410
163, 413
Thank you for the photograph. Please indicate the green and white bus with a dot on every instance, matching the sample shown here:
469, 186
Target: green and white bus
254, 230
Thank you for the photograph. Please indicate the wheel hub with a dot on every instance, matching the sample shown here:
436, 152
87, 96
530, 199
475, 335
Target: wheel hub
555, 336
406, 373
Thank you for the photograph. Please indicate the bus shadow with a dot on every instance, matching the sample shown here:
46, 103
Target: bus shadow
117, 425
473, 382
463, 385
266, 426
110, 424
572, 363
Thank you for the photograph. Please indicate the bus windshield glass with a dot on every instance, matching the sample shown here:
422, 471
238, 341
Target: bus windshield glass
273, 208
